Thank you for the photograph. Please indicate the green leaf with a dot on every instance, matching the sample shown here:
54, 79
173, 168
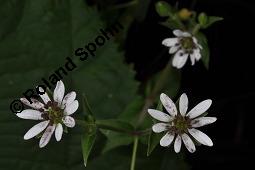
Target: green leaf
131, 115
87, 142
115, 140
206, 21
202, 19
212, 20
164, 9
86, 105
115, 125
205, 52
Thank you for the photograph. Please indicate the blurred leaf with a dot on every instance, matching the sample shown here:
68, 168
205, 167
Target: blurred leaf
206, 21
116, 139
131, 115
205, 52
202, 19
87, 142
115, 125
164, 9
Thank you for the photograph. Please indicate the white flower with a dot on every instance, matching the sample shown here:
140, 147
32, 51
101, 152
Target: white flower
181, 125
184, 45
53, 114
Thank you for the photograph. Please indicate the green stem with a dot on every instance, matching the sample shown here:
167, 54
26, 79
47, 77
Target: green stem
132, 167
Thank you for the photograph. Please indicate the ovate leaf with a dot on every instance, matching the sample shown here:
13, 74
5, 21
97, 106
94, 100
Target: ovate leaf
87, 142
205, 52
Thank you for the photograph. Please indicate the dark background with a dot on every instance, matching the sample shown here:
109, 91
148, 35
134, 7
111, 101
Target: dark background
229, 80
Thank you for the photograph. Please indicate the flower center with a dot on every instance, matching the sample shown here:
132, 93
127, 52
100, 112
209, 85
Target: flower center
53, 113
181, 124
187, 43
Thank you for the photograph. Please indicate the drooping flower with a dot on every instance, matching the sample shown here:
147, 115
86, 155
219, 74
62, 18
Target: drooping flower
53, 114
184, 45
181, 125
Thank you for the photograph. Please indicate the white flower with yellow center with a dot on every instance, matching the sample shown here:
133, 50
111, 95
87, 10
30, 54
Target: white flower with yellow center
53, 114
184, 45
181, 126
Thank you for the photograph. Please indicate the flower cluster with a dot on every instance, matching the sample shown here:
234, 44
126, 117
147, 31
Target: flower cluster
184, 45
52, 114
181, 125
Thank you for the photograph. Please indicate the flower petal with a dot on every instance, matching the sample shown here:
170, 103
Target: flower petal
36, 129
69, 121
201, 137
167, 139
200, 108
183, 104
188, 143
44, 96
177, 144
168, 104
180, 33
30, 114
169, 42
202, 121
161, 116
192, 58
160, 127
35, 105
197, 54
173, 49
68, 99
59, 132
180, 58
59, 92
71, 108
195, 40
46, 136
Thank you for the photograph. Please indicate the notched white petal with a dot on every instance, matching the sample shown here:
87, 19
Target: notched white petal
35, 103
202, 121
69, 121
183, 104
30, 114
71, 108
59, 132
169, 42
168, 104
188, 143
36, 129
177, 144
200, 109
68, 99
46, 136
59, 92
160, 127
167, 139
156, 114
201, 137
